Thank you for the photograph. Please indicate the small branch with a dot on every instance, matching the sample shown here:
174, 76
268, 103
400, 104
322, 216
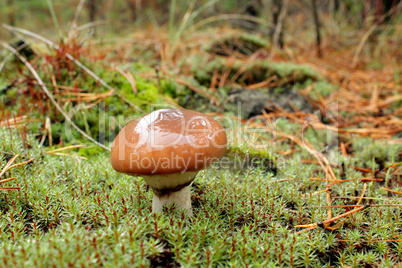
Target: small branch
317, 28
278, 34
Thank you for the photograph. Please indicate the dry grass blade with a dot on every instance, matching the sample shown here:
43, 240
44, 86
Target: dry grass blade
130, 78
48, 128
50, 96
88, 97
69, 56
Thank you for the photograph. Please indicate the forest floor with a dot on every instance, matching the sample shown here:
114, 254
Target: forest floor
311, 177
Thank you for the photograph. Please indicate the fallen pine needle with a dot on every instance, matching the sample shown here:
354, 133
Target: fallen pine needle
20, 164
288, 179
357, 197
8, 179
9, 188
6, 167
65, 148
369, 179
366, 170
370, 241
363, 192
306, 230
317, 179
391, 191
352, 206
323, 223
317, 192
336, 226
339, 181
76, 156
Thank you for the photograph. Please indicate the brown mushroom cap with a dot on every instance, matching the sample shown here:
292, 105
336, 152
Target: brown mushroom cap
168, 141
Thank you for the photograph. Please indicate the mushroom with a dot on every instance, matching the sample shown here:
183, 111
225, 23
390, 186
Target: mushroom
167, 148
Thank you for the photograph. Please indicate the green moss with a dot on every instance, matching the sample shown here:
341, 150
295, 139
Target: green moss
240, 43
323, 88
375, 154
74, 212
254, 72
92, 152
256, 40
242, 158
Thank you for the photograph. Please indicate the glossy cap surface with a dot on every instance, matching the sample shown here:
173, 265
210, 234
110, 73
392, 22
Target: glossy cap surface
168, 141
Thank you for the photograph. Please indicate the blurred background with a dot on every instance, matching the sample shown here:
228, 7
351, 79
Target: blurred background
329, 23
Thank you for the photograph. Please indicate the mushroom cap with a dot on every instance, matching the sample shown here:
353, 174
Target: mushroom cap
168, 141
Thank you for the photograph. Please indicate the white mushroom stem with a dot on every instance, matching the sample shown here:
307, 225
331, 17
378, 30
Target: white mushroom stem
171, 188
181, 198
